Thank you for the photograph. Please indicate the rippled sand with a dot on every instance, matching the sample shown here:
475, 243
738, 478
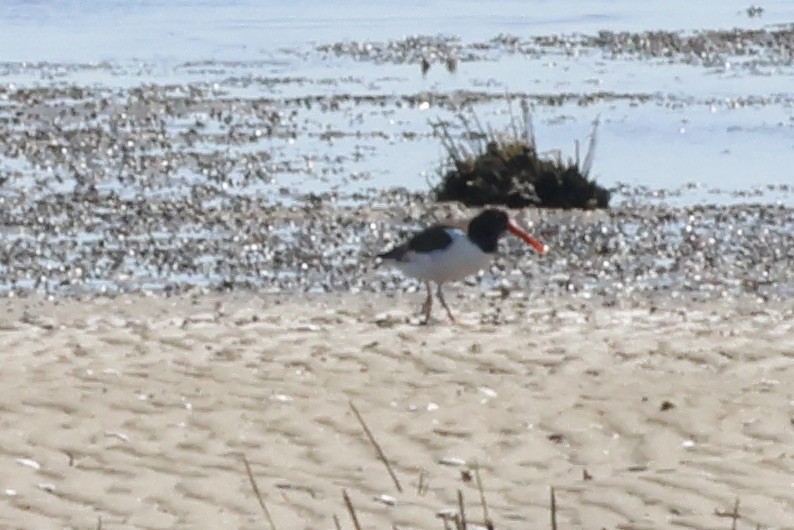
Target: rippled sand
135, 410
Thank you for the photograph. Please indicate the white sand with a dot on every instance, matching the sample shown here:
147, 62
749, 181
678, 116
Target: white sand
136, 410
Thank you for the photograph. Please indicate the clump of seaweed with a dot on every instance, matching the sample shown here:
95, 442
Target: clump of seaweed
505, 167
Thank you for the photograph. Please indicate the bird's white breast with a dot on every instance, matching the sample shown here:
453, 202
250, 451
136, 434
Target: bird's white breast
458, 260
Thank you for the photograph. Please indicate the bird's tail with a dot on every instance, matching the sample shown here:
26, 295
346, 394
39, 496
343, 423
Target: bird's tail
394, 254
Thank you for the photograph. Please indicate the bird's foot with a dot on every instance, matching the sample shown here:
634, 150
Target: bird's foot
425, 318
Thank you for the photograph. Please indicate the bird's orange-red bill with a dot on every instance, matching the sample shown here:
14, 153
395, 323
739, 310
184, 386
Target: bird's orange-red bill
528, 239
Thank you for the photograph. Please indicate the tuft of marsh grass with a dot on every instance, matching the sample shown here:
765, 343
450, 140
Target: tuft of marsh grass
504, 167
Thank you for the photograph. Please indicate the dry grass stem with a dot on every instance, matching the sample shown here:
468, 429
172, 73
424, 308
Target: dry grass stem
258, 493
484, 504
553, 510
590, 156
351, 510
421, 488
381, 455
462, 510
529, 128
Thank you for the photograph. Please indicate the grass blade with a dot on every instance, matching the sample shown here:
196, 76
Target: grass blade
258, 493
374, 442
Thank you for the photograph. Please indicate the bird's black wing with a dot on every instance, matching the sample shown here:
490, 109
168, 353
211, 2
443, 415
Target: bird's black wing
428, 240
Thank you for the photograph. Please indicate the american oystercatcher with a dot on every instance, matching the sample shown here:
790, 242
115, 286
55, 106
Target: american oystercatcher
443, 253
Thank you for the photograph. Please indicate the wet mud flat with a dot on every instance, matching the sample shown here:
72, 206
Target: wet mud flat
102, 243
246, 175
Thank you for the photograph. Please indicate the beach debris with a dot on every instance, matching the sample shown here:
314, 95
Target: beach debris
451, 461
491, 393
488, 167
47, 486
388, 500
556, 438
118, 435
29, 462
284, 486
447, 514
666, 405
311, 328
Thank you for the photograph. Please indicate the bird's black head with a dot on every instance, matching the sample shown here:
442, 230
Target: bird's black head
486, 229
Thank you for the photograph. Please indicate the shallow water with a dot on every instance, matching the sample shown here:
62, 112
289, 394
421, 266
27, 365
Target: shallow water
162, 146
725, 123
77, 31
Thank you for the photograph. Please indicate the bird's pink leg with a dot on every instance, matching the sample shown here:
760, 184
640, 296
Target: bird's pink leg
444, 303
428, 304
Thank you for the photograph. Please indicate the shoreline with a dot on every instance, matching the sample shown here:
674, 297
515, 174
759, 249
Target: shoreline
245, 245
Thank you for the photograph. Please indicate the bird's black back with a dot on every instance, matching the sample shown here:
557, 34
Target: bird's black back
430, 239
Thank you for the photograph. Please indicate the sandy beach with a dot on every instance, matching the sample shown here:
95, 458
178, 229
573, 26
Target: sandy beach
136, 410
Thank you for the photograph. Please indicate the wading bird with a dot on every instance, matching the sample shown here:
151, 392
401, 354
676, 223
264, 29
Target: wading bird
443, 253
